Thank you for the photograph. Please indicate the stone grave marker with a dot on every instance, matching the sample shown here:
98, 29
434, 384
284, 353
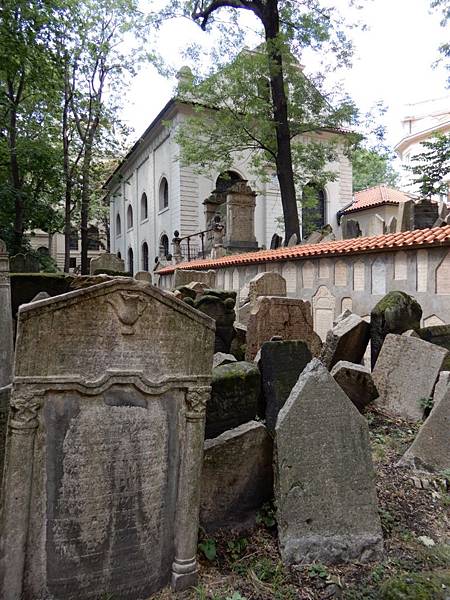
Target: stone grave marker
186, 276
106, 262
439, 335
442, 385
235, 397
405, 374
356, 381
237, 477
143, 276
395, 313
222, 358
281, 363
324, 480
430, 451
105, 439
269, 283
289, 318
24, 263
347, 340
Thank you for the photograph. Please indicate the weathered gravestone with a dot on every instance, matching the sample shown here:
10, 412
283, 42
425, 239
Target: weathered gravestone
281, 364
105, 440
235, 397
442, 385
439, 335
430, 451
346, 341
186, 276
395, 313
288, 318
221, 358
237, 477
24, 263
143, 276
324, 480
356, 381
105, 263
219, 305
264, 284
405, 375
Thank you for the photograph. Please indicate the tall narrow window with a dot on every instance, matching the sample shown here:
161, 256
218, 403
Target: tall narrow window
313, 209
163, 246
144, 207
118, 226
129, 217
130, 261
93, 238
163, 194
145, 256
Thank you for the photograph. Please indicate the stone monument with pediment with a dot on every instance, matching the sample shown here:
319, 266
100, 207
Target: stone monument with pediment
105, 444
240, 221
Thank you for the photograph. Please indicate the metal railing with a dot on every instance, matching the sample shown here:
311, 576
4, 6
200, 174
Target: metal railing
186, 248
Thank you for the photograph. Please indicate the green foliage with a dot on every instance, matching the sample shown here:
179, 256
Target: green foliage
444, 49
420, 586
432, 166
372, 167
426, 404
318, 571
267, 515
236, 548
208, 549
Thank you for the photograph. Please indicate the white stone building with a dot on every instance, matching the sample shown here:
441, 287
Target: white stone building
152, 194
421, 121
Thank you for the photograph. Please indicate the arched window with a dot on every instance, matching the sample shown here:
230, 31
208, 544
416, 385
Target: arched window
145, 256
226, 179
313, 209
163, 246
93, 239
130, 261
163, 194
144, 207
129, 217
118, 226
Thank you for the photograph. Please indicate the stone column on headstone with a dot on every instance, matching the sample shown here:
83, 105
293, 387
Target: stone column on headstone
241, 203
184, 567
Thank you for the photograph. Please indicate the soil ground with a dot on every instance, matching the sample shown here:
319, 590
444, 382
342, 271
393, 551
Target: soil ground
416, 527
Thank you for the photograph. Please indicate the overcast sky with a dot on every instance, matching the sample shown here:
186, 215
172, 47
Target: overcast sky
393, 63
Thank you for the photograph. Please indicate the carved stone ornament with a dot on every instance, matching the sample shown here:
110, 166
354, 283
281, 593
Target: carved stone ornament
128, 308
24, 411
196, 400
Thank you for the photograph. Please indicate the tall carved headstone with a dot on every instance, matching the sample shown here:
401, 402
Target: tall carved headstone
324, 479
105, 443
6, 347
106, 262
241, 203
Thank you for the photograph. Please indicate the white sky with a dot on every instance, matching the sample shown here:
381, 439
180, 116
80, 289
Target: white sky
393, 63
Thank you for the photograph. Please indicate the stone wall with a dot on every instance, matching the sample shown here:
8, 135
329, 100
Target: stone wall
355, 282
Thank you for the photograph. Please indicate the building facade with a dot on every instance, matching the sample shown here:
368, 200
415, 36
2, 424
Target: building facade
152, 194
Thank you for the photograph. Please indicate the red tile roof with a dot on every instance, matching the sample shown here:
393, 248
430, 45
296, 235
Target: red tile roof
420, 238
376, 196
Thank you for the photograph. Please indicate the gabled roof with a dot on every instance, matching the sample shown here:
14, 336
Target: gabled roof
376, 196
404, 240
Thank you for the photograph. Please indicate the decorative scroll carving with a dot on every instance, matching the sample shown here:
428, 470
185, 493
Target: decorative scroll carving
128, 308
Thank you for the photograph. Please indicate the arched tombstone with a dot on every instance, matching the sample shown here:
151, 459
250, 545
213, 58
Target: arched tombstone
105, 444
323, 310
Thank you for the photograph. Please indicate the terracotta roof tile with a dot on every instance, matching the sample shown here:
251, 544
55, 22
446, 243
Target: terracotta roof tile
437, 236
376, 196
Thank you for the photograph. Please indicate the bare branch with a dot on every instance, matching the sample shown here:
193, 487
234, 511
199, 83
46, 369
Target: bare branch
253, 5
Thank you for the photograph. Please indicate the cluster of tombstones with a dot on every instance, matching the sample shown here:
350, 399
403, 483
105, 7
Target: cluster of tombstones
136, 415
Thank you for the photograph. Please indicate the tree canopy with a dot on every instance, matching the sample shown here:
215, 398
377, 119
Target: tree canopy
431, 168
372, 167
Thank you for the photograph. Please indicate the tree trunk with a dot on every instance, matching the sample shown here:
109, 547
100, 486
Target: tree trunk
271, 22
86, 196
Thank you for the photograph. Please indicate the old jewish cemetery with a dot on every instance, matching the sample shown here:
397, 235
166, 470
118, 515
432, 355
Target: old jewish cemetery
155, 446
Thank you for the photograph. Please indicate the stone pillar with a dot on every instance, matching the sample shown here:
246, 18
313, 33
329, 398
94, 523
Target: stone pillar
176, 243
184, 567
22, 426
241, 203
6, 328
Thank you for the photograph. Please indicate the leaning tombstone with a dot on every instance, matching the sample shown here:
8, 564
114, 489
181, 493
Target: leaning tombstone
237, 477
289, 318
439, 335
394, 313
324, 479
105, 440
281, 363
186, 276
356, 381
430, 451
405, 375
347, 340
